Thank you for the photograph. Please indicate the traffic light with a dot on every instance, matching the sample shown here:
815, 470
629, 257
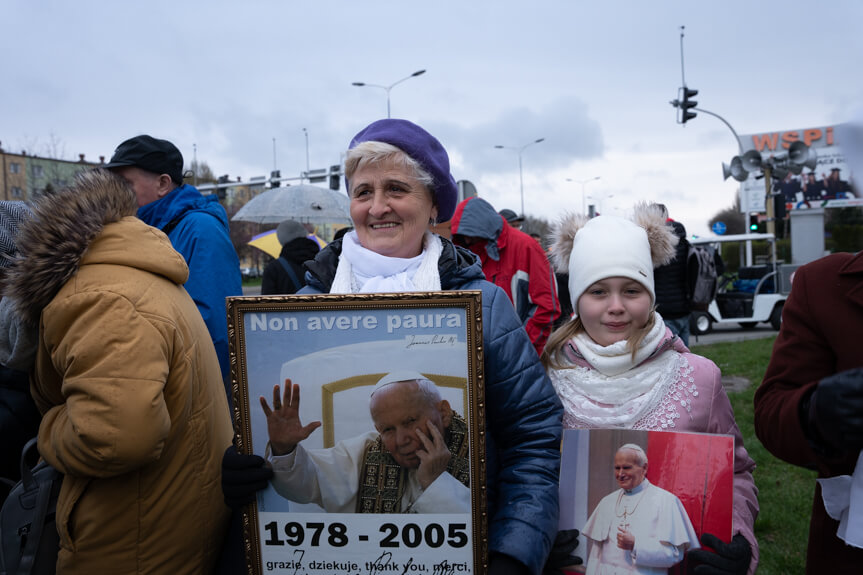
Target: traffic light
753, 222
222, 190
686, 104
335, 177
274, 178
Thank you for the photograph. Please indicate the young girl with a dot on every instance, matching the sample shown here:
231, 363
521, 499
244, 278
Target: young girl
616, 365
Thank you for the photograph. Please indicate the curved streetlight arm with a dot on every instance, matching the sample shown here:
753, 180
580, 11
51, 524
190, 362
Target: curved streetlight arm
519, 150
390, 87
724, 121
414, 75
370, 85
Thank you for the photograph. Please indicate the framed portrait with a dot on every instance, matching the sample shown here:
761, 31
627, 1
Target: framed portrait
378, 447
684, 489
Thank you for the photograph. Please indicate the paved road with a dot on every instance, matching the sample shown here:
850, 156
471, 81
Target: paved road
732, 332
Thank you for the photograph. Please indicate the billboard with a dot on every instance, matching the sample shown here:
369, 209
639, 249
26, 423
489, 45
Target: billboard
830, 184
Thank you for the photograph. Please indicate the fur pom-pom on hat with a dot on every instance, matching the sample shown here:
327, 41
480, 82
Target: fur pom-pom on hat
607, 246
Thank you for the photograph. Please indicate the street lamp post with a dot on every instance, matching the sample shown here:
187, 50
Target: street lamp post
583, 183
601, 199
306, 133
390, 87
520, 176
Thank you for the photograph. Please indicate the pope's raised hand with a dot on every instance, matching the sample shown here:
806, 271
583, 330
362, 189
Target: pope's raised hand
283, 420
434, 457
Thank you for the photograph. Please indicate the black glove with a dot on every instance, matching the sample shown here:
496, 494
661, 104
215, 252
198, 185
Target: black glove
242, 477
730, 558
836, 410
505, 565
565, 543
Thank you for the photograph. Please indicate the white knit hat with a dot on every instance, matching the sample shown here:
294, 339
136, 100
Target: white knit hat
591, 250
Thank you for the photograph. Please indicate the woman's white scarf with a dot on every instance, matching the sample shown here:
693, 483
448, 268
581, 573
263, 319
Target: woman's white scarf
363, 271
619, 390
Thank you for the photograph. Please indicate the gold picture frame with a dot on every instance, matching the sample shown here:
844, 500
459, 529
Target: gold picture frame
336, 348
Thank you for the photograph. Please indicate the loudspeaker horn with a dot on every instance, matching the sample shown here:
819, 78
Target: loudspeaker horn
751, 160
735, 170
779, 172
798, 152
812, 160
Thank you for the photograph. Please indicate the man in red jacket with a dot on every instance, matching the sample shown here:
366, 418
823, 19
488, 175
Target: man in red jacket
512, 260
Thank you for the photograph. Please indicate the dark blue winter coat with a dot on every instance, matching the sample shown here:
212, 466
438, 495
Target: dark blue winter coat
523, 413
197, 226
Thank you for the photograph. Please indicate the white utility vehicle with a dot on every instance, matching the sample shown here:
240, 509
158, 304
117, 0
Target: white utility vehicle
756, 294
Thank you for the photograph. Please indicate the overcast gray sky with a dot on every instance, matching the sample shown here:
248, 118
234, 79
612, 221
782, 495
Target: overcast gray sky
592, 78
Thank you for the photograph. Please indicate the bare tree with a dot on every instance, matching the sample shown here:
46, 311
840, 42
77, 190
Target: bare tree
734, 220
201, 173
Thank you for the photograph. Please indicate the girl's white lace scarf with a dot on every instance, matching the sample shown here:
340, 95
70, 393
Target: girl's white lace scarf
642, 396
363, 271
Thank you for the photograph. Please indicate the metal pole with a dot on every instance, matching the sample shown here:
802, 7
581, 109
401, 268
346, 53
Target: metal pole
388, 102
724, 121
583, 203
306, 132
521, 182
771, 214
274, 155
195, 162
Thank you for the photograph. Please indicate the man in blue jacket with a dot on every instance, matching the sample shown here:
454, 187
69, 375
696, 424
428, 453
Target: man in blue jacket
197, 226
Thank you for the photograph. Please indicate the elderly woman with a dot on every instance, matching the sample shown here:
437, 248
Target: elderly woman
399, 185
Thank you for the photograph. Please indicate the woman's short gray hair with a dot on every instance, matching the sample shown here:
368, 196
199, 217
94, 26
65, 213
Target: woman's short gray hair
640, 455
370, 153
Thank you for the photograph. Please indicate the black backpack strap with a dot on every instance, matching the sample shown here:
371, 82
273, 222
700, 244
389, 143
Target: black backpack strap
43, 499
31, 547
290, 270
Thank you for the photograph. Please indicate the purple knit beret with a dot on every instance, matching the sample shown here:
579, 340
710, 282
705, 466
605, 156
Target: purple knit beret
422, 147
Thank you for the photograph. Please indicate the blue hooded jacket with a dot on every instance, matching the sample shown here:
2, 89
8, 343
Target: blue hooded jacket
523, 413
197, 226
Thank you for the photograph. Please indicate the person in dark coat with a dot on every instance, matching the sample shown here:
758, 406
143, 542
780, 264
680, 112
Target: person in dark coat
672, 291
285, 274
19, 418
809, 408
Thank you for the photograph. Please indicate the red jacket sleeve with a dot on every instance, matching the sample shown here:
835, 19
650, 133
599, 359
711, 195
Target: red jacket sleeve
542, 288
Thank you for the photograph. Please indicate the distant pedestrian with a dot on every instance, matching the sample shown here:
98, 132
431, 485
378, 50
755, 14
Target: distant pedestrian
19, 418
512, 260
672, 287
196, 225
285, 274
512, 218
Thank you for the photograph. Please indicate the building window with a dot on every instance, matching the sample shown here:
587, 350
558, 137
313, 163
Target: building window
14, 168
37, 171
17, 192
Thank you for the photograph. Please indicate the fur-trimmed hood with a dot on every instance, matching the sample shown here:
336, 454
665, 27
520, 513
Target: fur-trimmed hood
606, 246
66, 229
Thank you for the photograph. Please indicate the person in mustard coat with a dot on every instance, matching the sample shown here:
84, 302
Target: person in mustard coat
127, 380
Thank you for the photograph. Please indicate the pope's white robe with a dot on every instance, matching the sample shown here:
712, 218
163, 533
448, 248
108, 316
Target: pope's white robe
659, 523
331, 478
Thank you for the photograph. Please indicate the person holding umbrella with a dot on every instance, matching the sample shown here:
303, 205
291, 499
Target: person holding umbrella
399, 184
